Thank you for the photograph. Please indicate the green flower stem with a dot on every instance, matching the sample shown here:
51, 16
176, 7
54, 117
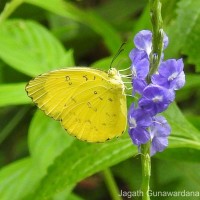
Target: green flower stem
9, 9
158, 35
156, 53
146, 170
111, 185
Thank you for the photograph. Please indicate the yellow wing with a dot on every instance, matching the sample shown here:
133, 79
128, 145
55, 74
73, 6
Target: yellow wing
89, 103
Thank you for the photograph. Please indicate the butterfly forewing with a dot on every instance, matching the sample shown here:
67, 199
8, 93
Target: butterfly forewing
86, 102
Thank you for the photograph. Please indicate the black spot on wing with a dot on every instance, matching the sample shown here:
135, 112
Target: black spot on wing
85, 76
67, 78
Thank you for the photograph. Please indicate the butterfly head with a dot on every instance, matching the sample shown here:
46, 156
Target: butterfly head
115, 77
114, 74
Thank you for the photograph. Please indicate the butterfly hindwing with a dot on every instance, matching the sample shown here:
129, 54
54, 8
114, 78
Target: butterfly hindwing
100, 116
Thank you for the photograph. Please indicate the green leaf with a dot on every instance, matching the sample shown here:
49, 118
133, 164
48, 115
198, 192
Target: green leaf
121, 62
109, 9
187, 153
190, 15
82, 160
192, 81
7, 128
64, 196
168, 10
30, 48
191, 86
184, 32
9, 9
184, 141
18, 178
13, 94
194, 119
89, 18
181, 128
176, 176
47, 139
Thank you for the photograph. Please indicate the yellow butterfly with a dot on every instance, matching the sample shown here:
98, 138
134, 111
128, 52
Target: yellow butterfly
89, 103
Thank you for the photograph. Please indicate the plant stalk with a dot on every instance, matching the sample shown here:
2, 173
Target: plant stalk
158, 35
155, 57
9, 9
111, 185
146, 170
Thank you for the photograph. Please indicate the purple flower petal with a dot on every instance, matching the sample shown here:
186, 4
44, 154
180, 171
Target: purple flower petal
138, 117
159, 132
135, 55
131, 109
158, 144
140, 68
139, 135
156, 99
160, 127
171, 75
165, 41
171, 66
138, 85
180, 81
157, 79
138, 121
143, 41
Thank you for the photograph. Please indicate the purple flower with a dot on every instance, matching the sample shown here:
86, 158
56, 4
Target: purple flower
140, 69
136, 55
138, 123
165, 41
170, 75
156, 99
138, 85
143, 41
156, 95
159, 132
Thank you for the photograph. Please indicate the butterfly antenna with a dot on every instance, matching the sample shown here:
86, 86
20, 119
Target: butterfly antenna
118, 52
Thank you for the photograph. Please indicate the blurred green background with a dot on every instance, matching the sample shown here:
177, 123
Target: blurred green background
38, 159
